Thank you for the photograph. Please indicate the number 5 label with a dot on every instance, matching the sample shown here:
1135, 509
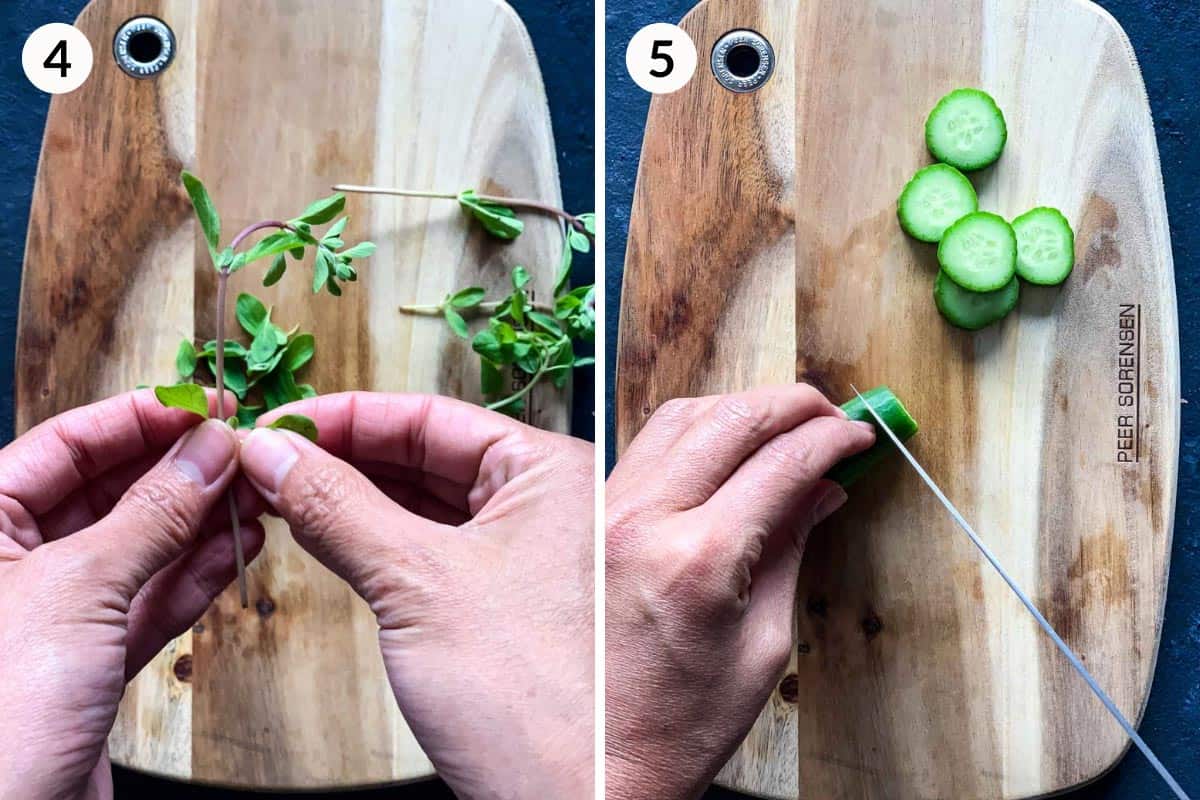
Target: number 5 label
57, 58
661, 58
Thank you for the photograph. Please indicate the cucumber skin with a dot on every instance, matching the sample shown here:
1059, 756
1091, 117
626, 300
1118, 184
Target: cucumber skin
1066, 223
950, 272
957, 320
947, 158
906, 222
892, 411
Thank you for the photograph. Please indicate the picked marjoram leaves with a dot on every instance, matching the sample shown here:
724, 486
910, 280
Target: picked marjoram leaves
271, 360
532, 341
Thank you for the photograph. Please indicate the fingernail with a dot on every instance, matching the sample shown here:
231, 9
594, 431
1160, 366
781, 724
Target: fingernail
866, 426
841, 412
834, 499
206, 452
267, 457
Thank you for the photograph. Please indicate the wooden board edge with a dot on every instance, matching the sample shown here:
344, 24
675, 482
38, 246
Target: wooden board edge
625, 302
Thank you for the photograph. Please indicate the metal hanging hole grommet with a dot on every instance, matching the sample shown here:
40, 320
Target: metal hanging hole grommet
742, 60
144, 47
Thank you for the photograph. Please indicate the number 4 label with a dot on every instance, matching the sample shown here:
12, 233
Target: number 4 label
661, 58
57, 58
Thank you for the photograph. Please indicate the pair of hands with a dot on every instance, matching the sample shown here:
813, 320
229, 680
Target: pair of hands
444, 517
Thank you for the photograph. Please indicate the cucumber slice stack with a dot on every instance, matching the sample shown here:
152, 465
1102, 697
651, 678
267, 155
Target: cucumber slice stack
980, 255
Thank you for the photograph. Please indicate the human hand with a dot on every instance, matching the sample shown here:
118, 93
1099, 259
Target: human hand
470, 537
107, 553
708, 513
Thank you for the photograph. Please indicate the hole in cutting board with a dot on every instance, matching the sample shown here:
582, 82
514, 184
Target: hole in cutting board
144, 46
742, 60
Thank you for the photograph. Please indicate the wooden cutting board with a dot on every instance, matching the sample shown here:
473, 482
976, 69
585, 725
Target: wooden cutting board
271, 102
764, 248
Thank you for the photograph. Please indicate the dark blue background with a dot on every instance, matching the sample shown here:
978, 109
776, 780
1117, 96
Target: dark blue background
1166, 36
563, 36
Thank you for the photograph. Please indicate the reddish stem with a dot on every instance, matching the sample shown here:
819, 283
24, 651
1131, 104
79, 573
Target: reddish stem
222, 293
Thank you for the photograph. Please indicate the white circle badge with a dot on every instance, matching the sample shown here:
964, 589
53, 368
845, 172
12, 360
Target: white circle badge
661, 58
57, 58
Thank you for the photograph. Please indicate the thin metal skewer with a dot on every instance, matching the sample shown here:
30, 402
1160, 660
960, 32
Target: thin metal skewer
1037, 615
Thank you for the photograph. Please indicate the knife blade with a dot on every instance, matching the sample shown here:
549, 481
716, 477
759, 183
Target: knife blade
1037, 615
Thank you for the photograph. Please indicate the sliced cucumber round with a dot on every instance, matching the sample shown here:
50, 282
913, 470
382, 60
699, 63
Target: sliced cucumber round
1045, 246
935, 198
966, 129
973, 310
979, 252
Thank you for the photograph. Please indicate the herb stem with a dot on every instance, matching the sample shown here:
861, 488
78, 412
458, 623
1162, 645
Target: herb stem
258, 226
234, 521
510, 202
219, 373
435, 310
524, 390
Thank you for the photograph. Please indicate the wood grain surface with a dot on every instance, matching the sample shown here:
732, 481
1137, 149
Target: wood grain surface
271, 102
764, 248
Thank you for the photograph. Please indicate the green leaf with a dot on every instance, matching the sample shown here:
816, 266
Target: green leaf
297, 252
265, 343
579, 241
498, 220
187, 396
545, 322
185, 359
589, 222
456, 322
564, 269
323, 210
520, 277
586, 361
333, 244
360, 250
468, 297
206, 212
279, 242
248, 415
307, 391
296, 423
336, 229
226, 260
321, 270
332, 286
488, 345
251, 313
260, 367
491, 381
278, 267
233, 422
516, 307
235, 377
299, 351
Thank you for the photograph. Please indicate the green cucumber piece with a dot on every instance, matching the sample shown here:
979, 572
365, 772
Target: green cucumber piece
891, 411
966, 129
1045, 246
973, 310
979, 252
933, 200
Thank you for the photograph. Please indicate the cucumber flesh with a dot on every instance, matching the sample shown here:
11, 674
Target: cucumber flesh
974, 310
979, 252
891, 411
1045, 246
966, 129
933, 200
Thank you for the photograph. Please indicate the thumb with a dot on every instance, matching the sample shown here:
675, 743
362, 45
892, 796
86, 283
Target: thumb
335, 512
160, 515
